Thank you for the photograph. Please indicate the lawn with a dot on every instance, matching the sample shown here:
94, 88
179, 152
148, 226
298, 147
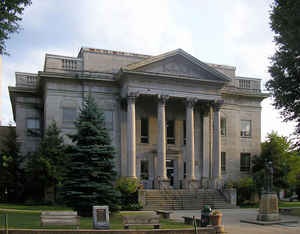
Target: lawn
280, 204
288, 204
28, 217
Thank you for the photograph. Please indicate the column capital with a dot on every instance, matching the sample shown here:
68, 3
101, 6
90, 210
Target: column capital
204, 108
132, 96
162, 98
217, 104
191, 101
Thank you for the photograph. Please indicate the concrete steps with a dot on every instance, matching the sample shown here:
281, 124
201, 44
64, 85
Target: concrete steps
183, 199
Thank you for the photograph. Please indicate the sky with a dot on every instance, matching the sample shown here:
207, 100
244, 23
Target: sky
231, 32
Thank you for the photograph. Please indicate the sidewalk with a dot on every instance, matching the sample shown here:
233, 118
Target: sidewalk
231, 221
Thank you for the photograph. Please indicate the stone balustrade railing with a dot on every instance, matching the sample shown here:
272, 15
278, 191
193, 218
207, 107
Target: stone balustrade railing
29, 80
244, 85
56, 63
248, 84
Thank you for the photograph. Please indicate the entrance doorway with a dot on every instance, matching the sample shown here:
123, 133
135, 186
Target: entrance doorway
170, 165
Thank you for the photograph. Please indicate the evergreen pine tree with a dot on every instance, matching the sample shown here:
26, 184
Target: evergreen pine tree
91, 175
11, 170
47, 167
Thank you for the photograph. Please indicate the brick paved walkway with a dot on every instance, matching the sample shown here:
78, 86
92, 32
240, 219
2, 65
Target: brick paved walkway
231, 221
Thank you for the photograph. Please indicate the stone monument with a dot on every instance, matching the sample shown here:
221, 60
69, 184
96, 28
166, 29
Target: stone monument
268, 207
100, 217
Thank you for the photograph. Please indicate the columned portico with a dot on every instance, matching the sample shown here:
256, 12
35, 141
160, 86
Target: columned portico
131, 135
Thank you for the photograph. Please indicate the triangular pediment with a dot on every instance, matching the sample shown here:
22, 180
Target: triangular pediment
178, 63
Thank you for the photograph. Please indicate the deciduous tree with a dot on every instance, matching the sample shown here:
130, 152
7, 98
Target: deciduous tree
276, 149
10, 15
285, 63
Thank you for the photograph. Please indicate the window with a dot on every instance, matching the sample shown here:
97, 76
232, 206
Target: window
69, 115
245, 162
144, 130
170, 132
245, 128
144, 170
33, 127
223, 127
184, 132
223, 161
108, 118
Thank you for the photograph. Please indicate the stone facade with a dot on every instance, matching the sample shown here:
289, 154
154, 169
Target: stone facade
174, 120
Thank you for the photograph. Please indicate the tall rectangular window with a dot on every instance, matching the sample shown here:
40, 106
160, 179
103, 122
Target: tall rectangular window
223, 161
184, 132
144, 130
245, 162
170, 132
144, 169
246, 128
108, 118
33, 127
69, 115
223, 127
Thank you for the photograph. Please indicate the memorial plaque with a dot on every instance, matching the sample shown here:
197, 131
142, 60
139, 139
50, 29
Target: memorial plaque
100, 217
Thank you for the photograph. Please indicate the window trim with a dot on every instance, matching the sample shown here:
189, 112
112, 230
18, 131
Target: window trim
223, 162
242, 132
171, 140
146, 161
36, 131
245, 168
109, 125
66, 122
225, 127
144, 137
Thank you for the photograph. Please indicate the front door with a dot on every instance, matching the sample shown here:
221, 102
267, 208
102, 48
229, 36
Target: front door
170, 171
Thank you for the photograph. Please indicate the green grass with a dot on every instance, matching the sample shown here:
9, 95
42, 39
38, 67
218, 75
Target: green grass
280, 204
288, 204
31, 207
28, 217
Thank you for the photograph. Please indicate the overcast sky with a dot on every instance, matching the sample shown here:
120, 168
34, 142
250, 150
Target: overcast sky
231, 32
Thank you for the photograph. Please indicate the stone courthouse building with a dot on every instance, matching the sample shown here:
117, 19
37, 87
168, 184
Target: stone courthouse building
174, 120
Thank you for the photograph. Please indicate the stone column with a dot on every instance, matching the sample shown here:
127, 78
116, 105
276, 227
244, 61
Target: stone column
216, 173
190, 138
161, 141
190, 144
131, 138
205, 116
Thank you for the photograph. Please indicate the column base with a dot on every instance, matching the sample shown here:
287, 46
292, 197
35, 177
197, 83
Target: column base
215, 183
204, 182
162, 184
191, 184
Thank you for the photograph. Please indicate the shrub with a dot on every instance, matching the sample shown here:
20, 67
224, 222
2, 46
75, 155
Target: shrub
245, 188
128, 188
